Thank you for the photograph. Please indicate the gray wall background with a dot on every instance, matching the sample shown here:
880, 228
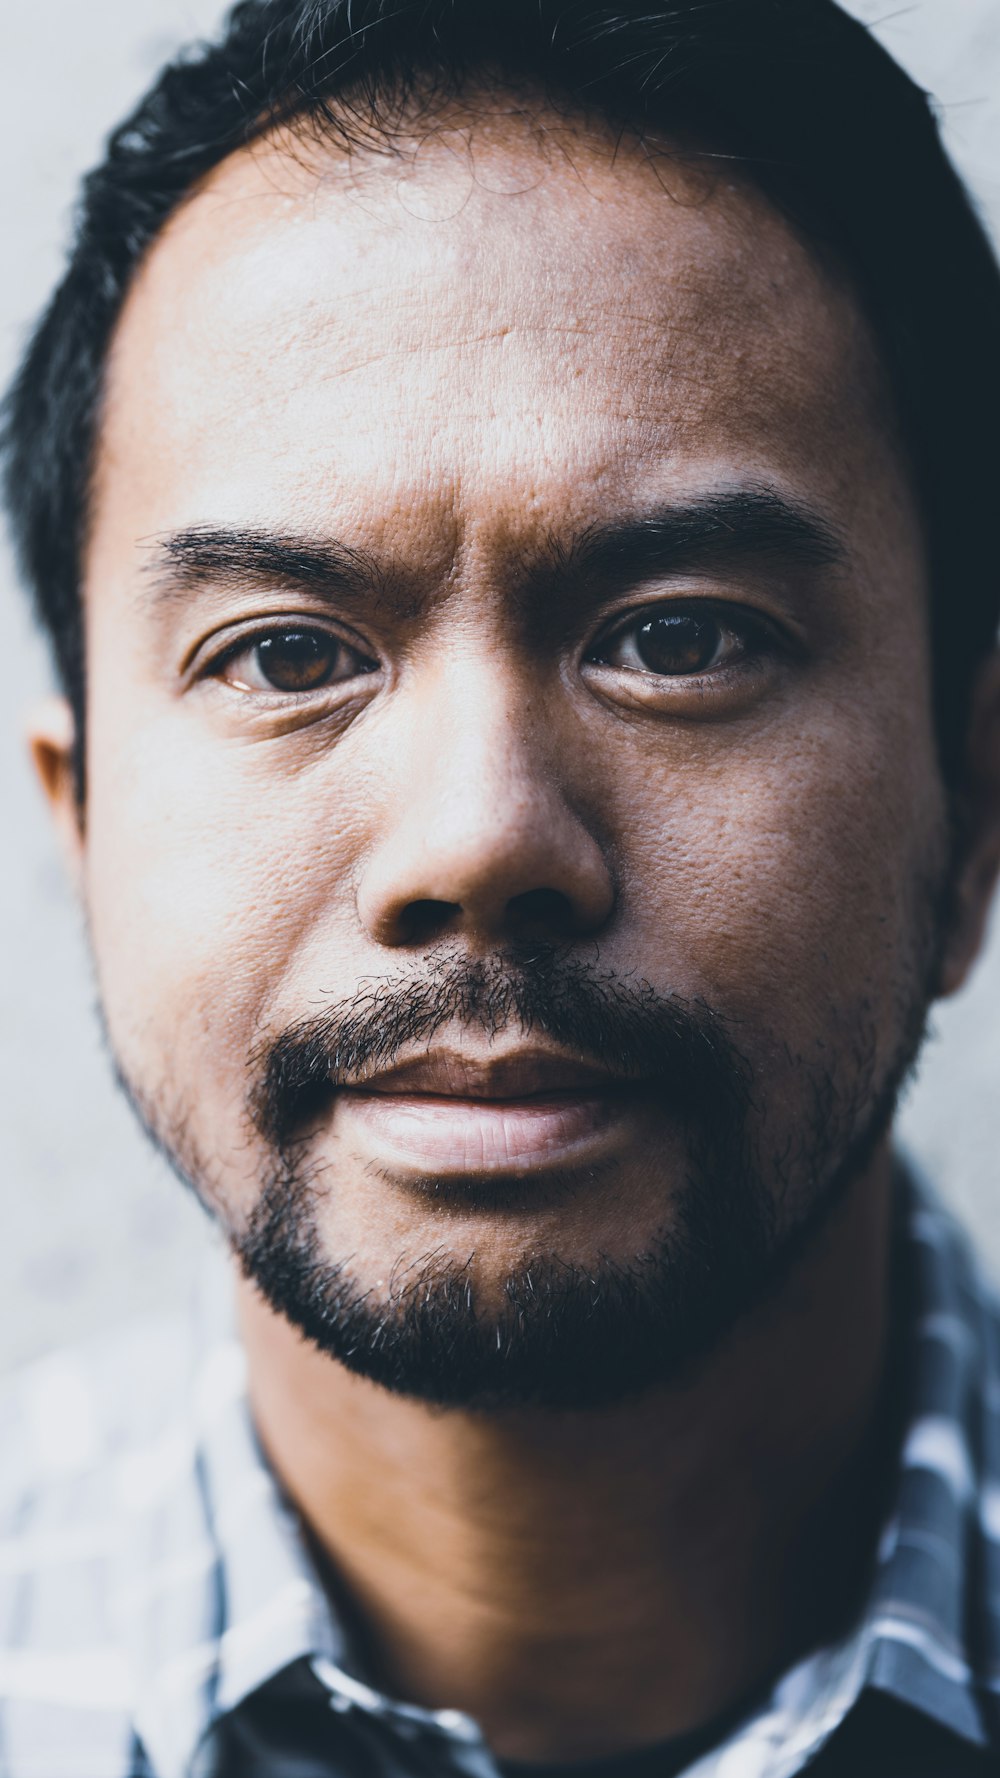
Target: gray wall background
92, 1228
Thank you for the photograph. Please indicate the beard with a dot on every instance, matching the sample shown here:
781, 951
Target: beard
554, 1333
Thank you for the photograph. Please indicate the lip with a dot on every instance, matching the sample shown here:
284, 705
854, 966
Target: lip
460, 1074
454, 1113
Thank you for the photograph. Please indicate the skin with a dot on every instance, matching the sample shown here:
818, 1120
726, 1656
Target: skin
446, 360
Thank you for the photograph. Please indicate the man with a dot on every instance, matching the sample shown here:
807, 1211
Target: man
509, 489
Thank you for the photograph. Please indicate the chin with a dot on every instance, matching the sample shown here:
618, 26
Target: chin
509, 1292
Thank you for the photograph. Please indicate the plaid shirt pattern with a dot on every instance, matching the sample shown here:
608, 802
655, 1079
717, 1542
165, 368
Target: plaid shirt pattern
156, 1590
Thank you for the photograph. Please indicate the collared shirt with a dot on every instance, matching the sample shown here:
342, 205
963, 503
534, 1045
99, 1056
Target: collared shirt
161, 1615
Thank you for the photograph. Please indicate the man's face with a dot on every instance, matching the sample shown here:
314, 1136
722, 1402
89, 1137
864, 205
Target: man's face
513, 831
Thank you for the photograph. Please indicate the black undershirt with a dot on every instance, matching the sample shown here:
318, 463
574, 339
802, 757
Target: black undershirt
666, 1760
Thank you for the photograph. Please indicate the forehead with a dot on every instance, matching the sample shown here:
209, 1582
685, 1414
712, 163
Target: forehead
509, 304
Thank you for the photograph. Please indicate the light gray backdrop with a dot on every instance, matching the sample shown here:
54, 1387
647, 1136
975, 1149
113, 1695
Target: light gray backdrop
91, 1226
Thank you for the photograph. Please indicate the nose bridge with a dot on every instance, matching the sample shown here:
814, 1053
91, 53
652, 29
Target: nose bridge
489, 749
481, 832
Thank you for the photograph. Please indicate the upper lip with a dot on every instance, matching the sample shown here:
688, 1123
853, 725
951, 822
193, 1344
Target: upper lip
521, 1074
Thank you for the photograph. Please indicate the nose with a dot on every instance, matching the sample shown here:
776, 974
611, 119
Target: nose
482, 837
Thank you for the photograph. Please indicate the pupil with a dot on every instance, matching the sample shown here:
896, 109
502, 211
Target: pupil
675, 642
297, 660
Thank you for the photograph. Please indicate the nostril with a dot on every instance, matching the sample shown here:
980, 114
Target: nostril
422, 921
546, 909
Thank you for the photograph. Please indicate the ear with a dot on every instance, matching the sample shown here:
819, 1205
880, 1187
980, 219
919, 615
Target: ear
51, 740
979, 836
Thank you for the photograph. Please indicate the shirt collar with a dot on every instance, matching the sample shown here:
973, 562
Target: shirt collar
932, 1625
929, 1633
230, 1596
227, 1593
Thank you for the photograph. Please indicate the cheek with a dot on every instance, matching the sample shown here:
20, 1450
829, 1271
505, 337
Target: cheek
206, 871
789, 884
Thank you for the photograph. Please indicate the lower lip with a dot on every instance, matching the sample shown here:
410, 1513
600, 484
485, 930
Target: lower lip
483, 1135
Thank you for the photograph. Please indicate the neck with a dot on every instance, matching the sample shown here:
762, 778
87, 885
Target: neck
588, 1582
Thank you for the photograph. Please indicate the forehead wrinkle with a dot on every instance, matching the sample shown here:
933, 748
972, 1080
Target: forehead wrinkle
719, 370
720, 281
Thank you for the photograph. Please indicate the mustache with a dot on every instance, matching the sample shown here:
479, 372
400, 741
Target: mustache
621, 1024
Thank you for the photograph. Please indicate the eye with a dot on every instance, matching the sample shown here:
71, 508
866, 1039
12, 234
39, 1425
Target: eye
677, 644
294, 659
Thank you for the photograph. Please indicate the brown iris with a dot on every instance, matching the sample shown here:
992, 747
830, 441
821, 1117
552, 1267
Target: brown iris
677, 642
298, 660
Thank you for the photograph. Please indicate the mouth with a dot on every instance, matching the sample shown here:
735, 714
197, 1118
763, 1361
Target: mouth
457, 1113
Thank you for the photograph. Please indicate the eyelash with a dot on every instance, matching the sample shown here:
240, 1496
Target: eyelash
253, 640
753, 634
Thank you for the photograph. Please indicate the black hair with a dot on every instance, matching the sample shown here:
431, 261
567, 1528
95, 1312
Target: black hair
819, 116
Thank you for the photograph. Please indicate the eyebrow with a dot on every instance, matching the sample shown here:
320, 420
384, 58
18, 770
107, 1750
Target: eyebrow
729, 526
203, 555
